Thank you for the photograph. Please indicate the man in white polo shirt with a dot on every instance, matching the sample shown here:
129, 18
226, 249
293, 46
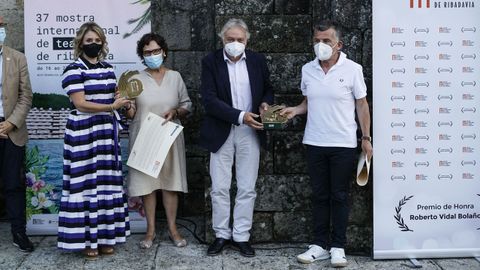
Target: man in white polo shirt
334, 88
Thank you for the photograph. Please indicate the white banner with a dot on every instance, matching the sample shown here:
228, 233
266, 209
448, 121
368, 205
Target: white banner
51, 25
426, 115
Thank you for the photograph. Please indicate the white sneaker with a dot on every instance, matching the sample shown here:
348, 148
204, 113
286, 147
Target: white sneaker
313, 253
338, 257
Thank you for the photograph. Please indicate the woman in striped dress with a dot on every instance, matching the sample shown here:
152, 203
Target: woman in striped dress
93, 210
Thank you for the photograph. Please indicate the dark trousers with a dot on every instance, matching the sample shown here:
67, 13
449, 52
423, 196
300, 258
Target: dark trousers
330, 170
12, 176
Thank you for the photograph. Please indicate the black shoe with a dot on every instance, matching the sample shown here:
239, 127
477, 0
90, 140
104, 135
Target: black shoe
21, 241
217, 246
245, 248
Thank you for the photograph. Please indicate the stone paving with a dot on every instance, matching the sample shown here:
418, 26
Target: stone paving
163, 255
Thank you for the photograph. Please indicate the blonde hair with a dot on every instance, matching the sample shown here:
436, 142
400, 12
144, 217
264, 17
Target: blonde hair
86, 27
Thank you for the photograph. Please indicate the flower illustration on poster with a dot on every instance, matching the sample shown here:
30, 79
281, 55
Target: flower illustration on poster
136, 204
40, 196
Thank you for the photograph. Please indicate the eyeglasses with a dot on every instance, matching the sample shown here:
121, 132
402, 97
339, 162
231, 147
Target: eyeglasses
154, 52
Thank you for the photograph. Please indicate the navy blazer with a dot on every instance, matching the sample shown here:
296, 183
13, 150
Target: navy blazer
217, 96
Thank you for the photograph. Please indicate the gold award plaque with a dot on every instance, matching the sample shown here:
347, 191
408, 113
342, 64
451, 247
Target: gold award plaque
272, 119
128, 87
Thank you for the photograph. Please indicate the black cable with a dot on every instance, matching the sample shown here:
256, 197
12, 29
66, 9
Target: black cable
194, 232
203, 242
413, 266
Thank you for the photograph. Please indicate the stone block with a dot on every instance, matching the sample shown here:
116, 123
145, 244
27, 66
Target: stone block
15, 30
209, 233
193, 150
11, 4
197, 170
286, 70
175, 27
168, 62
280, 193
292, 7
234, 261
292, 226
240, 7
176, 5
352, 13
47, 256
193, 203
208, 199
189, 64
352, 44
321, 10
193, 121
289, 157
266, 156
190, 257
285, 33
262, 227
361, 204
359, 239
203, 26
367, 53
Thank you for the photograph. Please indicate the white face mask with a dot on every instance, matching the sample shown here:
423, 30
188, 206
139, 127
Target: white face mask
234, 49
323, 51
3, 35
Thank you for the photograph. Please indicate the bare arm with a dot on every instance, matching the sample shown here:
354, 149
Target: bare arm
363, 113
291, 112
78, 99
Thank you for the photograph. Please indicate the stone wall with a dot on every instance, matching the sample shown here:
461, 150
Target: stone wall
281, 29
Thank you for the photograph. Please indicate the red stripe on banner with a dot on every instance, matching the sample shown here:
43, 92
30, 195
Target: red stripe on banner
419, 3
428, 3
411, 3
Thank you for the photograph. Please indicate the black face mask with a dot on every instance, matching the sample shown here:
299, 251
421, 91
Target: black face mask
92, 50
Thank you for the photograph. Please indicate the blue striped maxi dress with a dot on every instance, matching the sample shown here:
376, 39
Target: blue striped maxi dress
93, 207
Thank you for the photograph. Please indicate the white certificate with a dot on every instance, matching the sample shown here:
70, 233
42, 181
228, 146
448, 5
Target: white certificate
152, 144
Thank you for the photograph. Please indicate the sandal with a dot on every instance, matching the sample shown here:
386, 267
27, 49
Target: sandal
107, 250
146, 244
90, 254
178, 243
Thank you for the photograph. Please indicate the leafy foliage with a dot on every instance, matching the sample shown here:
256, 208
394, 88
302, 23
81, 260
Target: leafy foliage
142, 20
54, 101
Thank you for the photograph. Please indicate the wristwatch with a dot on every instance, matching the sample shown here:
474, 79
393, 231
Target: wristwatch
367, 138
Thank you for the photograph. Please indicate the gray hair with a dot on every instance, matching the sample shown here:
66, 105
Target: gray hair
234, 22
325, 25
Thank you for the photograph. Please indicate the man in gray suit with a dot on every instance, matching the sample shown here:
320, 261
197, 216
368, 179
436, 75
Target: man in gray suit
16, 100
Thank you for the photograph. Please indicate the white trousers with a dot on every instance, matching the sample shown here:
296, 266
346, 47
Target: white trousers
243, 146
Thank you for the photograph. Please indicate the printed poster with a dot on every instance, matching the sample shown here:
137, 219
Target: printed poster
50, 27
426, 116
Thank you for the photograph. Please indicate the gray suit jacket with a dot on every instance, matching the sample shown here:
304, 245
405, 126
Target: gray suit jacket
16, 93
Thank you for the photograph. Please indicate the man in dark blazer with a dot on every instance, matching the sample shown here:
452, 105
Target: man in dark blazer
15, 104
236, 90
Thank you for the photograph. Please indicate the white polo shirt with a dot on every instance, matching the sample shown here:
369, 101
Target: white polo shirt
331, 102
